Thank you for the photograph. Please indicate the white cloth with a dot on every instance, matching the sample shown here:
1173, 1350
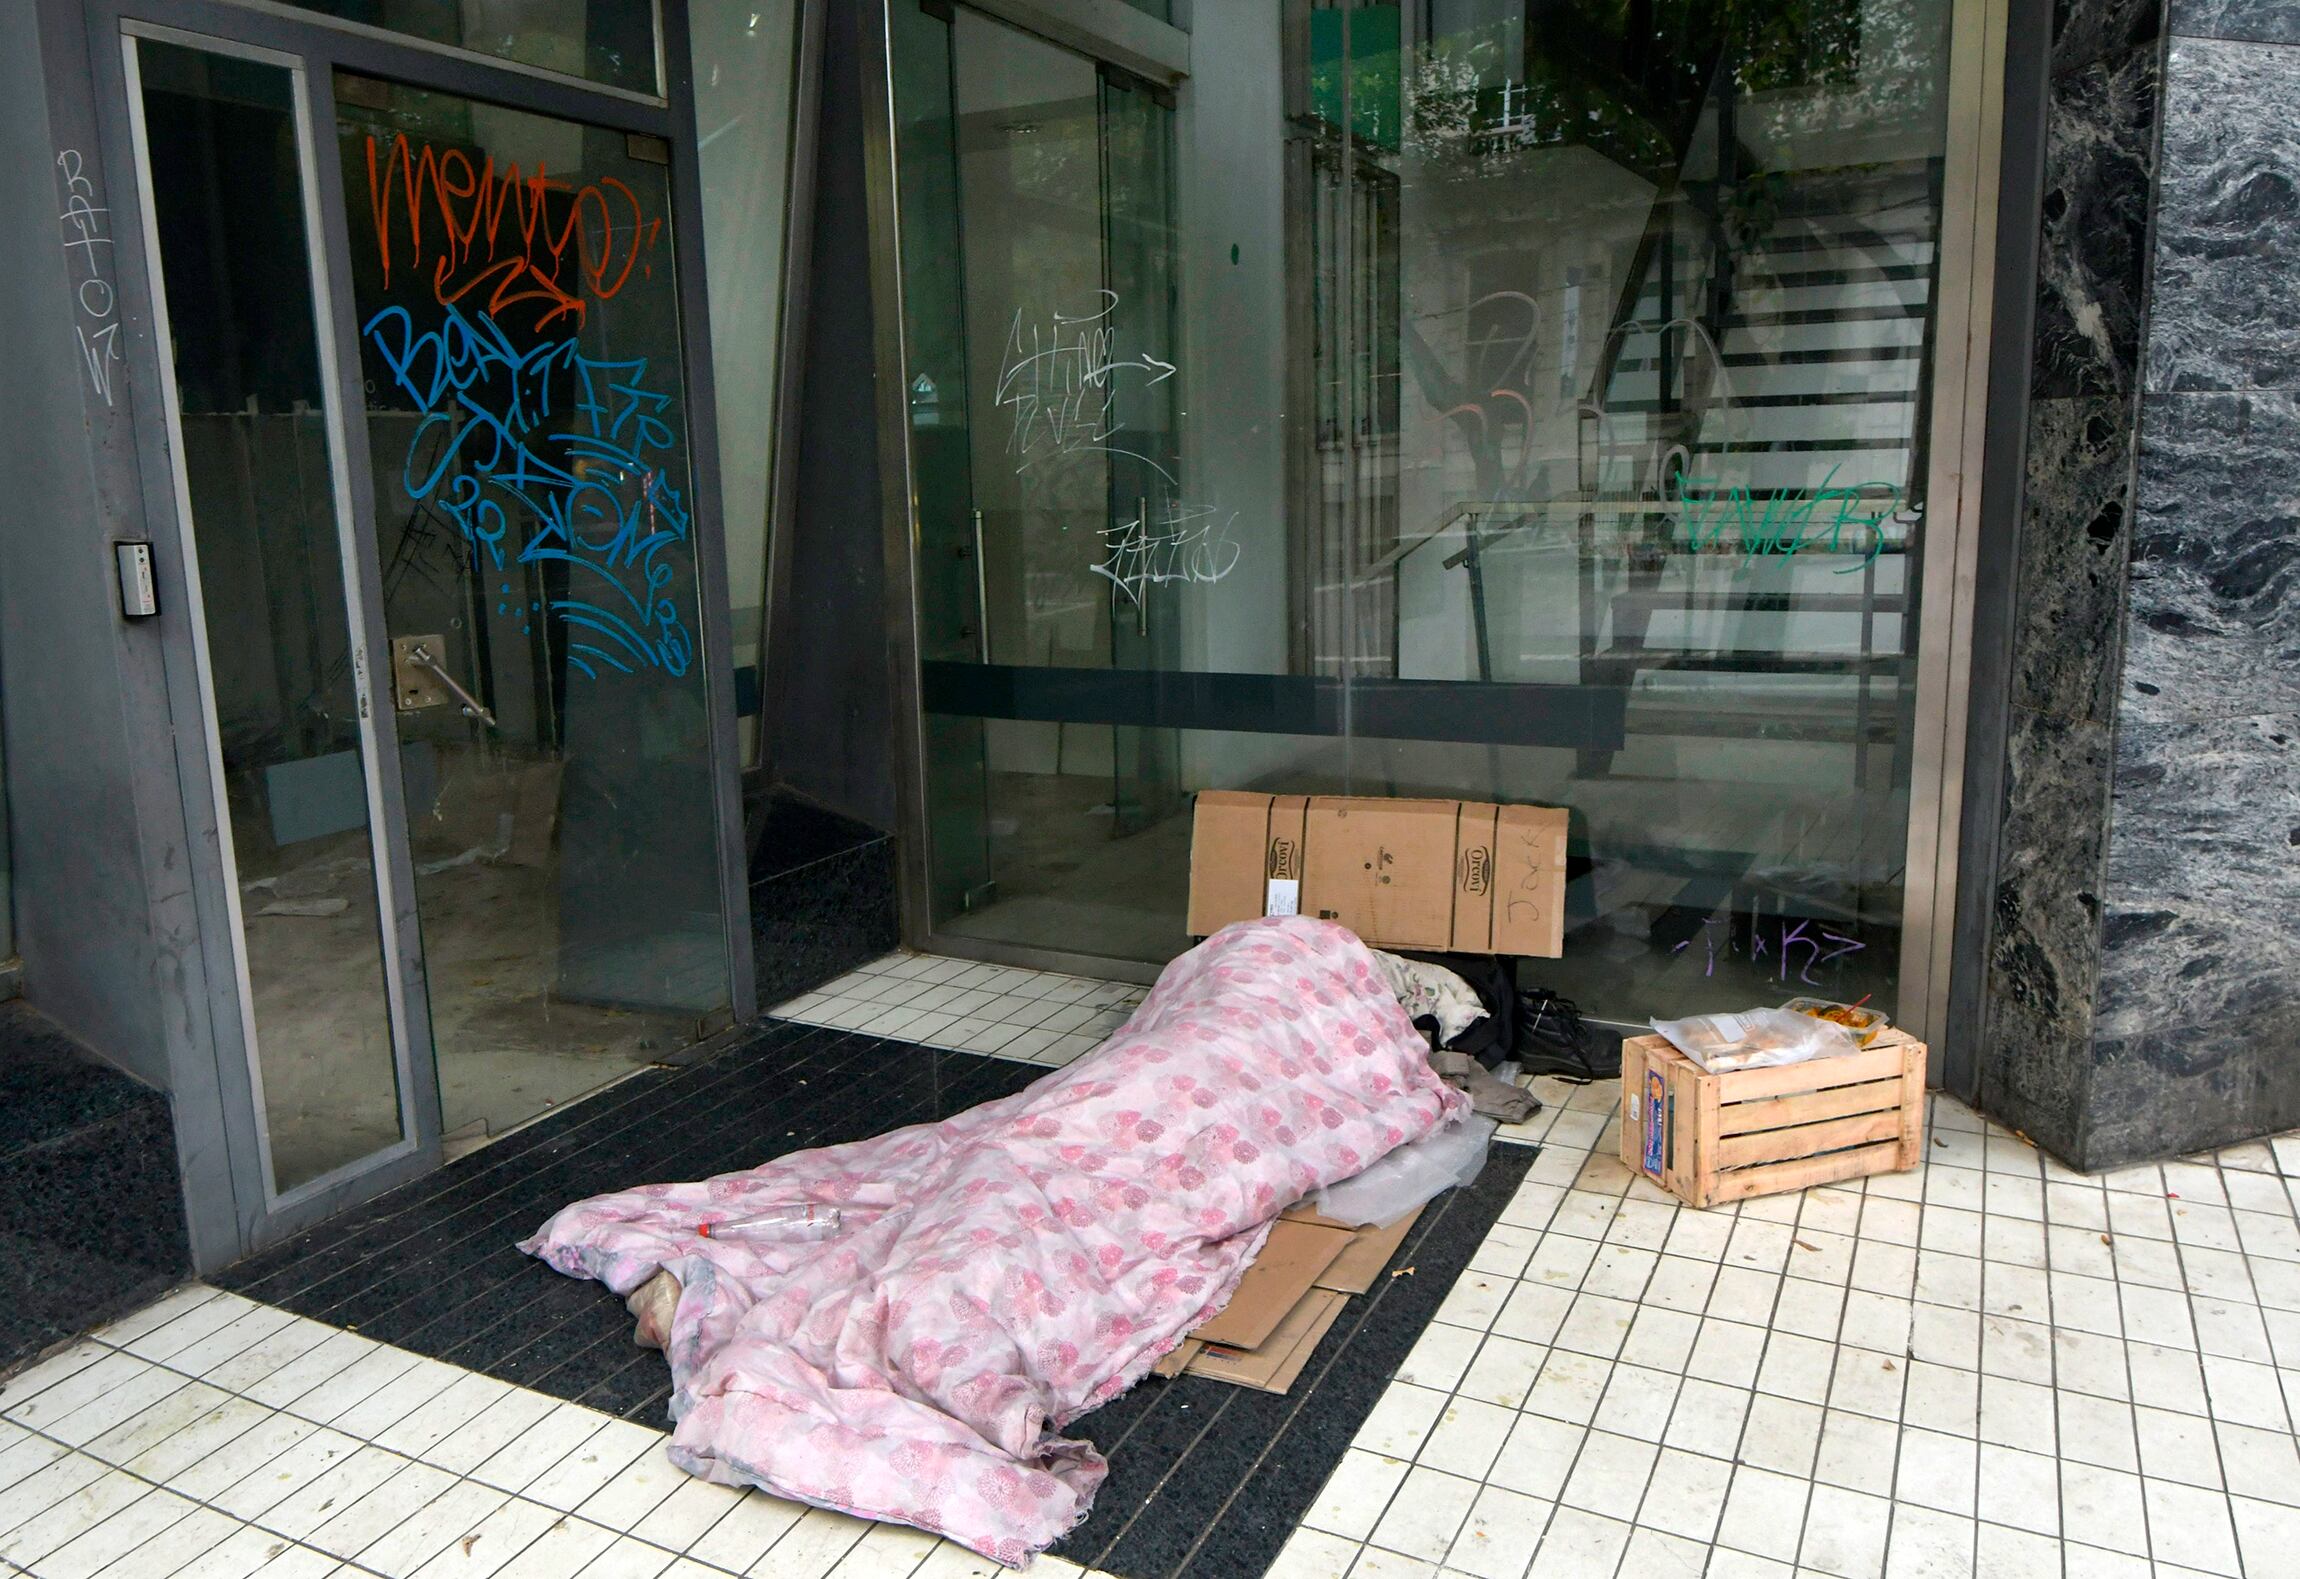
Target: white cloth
1432, 990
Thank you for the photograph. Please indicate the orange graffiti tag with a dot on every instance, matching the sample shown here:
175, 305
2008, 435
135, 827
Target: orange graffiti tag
518, 238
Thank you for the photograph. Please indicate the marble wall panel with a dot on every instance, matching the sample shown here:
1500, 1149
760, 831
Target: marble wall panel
2203, 876
2261, 21
2075, 543
2092, 256
2181, 1089
2088, 31
2215, 596
2224, 314
2044, 958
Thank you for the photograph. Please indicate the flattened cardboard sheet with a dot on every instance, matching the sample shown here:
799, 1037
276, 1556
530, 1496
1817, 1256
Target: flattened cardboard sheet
1291, 1260
1278, 1362
1177, 1359
1362, 1260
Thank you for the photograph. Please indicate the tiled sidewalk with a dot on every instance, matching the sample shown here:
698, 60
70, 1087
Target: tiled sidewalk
209, 1437
1989, 1366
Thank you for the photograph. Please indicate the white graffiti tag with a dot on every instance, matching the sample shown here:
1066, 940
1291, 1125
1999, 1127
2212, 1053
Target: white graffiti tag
1061, 380
1184, 543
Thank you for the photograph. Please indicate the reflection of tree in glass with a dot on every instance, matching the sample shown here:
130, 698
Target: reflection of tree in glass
1627, 77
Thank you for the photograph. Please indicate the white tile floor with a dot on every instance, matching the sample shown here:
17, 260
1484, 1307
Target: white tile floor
1032, 1015
209, 1437
1990, 1366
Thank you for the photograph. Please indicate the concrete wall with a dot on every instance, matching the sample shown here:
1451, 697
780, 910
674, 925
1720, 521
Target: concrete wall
106, 926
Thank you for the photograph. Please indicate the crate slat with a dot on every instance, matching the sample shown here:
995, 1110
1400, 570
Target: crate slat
1805, 1140
1913, 1112
1874, 1062
1773, 1178
1870, 1096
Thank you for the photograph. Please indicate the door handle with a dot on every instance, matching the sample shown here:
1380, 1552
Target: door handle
414, 652
981, 592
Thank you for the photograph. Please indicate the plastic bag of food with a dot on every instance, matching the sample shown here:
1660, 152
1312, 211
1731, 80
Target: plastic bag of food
1756, 1039
1863, 1022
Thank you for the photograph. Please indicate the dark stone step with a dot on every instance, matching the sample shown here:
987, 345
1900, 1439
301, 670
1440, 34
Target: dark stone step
823, 897
91, 1206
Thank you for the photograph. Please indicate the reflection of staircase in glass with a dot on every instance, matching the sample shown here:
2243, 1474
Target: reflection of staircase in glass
1751, 473
1782, 434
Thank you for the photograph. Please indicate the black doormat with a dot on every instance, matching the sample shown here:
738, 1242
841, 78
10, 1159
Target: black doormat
1204, 1477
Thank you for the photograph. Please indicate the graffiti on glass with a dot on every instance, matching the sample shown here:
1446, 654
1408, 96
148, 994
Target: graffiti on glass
539, 446
1183, 543
502, 237
1825, 520
1783, 943
542, 453
1061, 380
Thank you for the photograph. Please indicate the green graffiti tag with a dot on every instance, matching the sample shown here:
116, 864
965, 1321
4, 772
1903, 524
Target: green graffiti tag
1827, 520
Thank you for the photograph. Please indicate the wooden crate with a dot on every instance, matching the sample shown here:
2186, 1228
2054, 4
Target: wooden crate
1710, 1138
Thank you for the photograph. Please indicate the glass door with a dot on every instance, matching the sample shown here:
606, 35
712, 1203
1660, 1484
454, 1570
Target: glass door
1146, 516
471, 775
1530, 403
259, 484
1044, 403
513, 281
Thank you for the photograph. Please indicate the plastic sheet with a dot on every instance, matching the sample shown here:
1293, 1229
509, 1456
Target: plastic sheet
1410, 1174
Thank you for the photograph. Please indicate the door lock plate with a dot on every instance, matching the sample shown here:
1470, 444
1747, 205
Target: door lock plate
414, 686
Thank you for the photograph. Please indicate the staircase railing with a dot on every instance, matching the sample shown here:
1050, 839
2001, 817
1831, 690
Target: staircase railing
1654, 260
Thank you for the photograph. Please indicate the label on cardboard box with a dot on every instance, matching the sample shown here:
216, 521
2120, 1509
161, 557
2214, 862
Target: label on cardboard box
1283, 897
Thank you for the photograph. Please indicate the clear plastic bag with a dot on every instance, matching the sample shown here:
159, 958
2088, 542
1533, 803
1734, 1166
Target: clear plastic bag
1410, 1174
1756, 1039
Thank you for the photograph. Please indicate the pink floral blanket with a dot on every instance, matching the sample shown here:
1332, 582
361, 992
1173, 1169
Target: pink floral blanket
1002, 1272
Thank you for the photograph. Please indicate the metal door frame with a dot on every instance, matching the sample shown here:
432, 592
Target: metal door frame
314, 47
1965, 293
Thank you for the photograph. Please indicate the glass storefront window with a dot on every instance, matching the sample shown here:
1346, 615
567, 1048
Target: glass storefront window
1458, 398
604, 41
746, 87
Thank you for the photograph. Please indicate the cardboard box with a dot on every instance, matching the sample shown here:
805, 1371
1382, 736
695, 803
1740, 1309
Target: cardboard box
1450, 876
1710, 1138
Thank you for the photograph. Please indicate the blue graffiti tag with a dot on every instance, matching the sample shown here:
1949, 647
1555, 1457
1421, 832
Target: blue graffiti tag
590, 480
